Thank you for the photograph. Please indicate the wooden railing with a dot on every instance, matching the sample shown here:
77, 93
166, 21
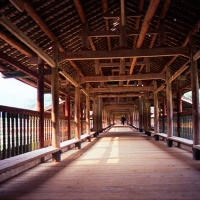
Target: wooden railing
19, 131
186, 130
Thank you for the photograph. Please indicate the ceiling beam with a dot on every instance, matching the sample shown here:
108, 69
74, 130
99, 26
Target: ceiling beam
125, 53
14, 74
121, 89
151, 76
161, 17
27, 6
117, 64
117, 15
149, 15
26, 40
121, 95
81, 14
196, 56
109, 33
23, 49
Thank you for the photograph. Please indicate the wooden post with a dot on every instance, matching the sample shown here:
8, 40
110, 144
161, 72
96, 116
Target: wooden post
87, 109
77, 117
195, 99
55, 105
141, 109
179, 107
99, 113
156, 116
68, 110
169, 107
40, 100
94, 107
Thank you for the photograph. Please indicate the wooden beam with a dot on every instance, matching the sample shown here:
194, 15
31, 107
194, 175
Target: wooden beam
196, 56
109, 33
18, 4
124, 53
121, 89
14, 74
117, 64
160, 88
120, 95
26, 40
18, 65
16, 44
69, 78
149, 15
123, 77
117, 15
178, 72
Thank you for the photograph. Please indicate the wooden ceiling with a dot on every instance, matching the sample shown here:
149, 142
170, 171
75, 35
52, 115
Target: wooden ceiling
119, 47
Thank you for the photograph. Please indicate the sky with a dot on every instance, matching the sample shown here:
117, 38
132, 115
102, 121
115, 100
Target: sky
15, 93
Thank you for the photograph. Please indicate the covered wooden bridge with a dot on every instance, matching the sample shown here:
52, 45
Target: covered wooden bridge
100, 60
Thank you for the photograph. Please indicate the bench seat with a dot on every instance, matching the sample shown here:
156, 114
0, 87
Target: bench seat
182, 140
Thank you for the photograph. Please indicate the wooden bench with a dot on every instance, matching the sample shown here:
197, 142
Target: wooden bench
12, 166
173, 138
182, 140
158, 135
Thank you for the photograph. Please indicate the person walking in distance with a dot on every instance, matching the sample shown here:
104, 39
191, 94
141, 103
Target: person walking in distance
123, 119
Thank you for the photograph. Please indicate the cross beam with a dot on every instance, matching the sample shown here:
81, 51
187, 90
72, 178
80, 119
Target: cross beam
122, 89
152, 76
125, 53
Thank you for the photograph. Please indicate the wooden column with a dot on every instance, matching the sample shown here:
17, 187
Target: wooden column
141, 123
87, 109
122, 39
99, 113
195, 99
156, 115
147, 117
169, 107
77, 116
94, 107
81, 114
68, 110
55, 105
131, 117
40, 99
179, 107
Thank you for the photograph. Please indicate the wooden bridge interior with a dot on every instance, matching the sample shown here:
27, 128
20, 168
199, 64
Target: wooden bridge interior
115, 58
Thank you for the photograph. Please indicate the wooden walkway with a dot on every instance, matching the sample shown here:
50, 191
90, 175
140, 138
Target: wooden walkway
120, 164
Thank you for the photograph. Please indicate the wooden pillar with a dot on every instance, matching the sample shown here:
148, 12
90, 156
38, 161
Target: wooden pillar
195, 99
169, 107
77, 116
55, 105
40, 100
94, 107
141, 123
99, 113
68, 110
87, 109
147, 117
81, 114
179, 107
131, 116
156, 115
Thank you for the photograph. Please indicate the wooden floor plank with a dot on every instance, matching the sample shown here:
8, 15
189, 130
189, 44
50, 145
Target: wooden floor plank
118, 164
